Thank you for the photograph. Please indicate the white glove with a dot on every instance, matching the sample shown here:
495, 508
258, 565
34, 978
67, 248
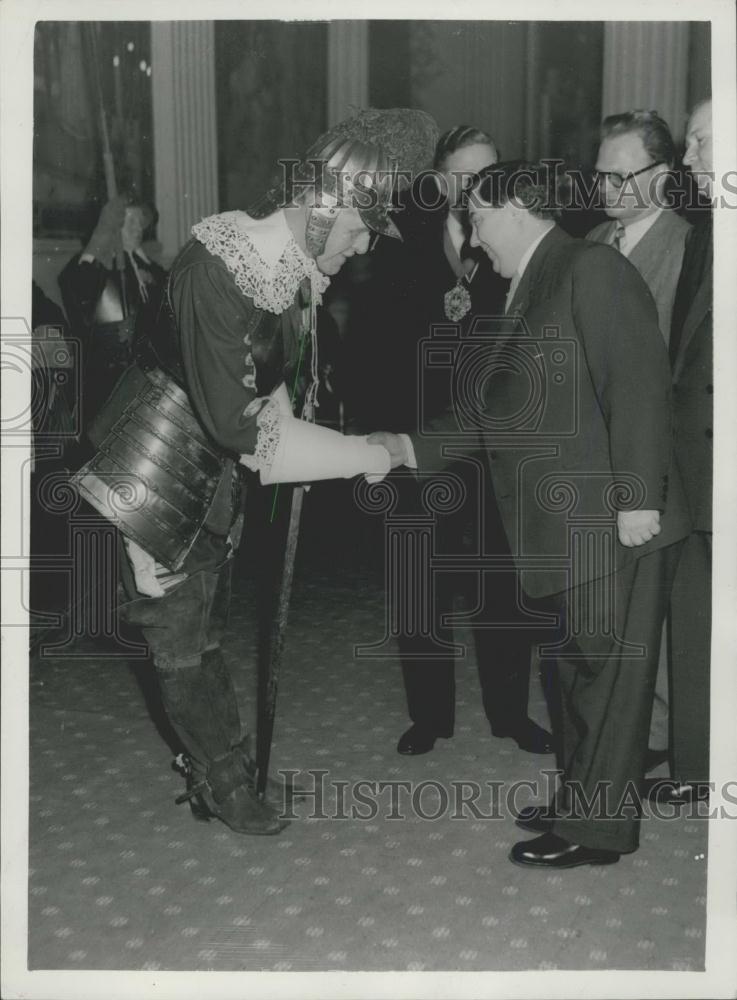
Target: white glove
307, 452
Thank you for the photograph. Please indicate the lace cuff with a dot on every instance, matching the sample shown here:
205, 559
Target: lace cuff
269, 431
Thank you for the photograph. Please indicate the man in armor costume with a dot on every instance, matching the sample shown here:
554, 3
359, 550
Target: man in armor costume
102, 300
211, 391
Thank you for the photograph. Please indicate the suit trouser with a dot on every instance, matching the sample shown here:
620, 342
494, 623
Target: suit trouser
606, 700
659, 723
502, 654
690, 630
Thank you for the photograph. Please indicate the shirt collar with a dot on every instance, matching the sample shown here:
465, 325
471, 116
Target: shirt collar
456, 232
635, 230
265, 260
527, 255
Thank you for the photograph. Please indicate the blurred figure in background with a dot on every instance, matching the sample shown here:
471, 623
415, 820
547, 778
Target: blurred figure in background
102, 302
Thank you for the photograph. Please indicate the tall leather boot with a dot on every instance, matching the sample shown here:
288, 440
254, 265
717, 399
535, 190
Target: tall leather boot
220, 683
206, 720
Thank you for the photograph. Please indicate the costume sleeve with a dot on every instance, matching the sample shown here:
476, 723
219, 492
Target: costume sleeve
617, 322
214, 320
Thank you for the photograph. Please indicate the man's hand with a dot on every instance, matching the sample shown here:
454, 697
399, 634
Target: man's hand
635, 527
393, 444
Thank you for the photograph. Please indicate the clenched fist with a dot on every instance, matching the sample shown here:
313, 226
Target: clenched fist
635, 527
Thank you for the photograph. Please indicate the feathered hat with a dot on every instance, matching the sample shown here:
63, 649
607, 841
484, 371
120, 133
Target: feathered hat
358, 163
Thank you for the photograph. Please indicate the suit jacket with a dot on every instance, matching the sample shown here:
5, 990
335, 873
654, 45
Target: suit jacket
693, 390
575, 413
658, 257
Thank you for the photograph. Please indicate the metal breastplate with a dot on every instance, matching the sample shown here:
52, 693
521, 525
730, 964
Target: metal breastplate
155, 472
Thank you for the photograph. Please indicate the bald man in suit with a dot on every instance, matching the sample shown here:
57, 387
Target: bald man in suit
587, 493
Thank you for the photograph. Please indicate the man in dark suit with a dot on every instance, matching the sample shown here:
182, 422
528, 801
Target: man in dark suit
633, 167
576, 425
691, 352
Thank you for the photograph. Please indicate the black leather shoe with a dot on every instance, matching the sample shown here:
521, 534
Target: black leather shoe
654, 758
550, 851
664, 791
539, 819
529, 736
416, 740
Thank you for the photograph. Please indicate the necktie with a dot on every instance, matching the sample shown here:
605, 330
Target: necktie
619, 237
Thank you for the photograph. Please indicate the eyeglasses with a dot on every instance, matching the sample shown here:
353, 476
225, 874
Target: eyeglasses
617, 180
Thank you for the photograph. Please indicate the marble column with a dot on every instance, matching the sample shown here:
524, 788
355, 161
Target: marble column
185, 135
646, 66
348, 68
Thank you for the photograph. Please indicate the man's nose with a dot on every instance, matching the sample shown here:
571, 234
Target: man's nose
688, 156
361, 244
474, 241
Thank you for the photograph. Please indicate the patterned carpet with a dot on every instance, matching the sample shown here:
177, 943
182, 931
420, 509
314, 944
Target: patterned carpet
122, 878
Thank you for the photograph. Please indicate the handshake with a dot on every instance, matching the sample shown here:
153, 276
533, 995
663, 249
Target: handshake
398, 446
306, 452
302, 452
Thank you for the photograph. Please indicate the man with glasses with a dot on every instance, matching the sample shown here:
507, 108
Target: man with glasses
633, 165
635, 159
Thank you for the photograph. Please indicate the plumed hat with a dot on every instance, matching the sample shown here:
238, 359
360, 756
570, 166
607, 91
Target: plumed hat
357, 163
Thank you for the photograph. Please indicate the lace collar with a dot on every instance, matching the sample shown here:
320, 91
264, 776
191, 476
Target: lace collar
263, 257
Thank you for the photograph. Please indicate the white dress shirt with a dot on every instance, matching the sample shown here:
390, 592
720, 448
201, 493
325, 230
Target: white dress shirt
635, 230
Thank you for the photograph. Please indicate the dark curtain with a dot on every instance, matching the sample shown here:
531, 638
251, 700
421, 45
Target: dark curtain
271, 94
68, 178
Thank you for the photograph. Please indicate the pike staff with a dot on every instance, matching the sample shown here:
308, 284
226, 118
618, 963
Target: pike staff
90, 35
